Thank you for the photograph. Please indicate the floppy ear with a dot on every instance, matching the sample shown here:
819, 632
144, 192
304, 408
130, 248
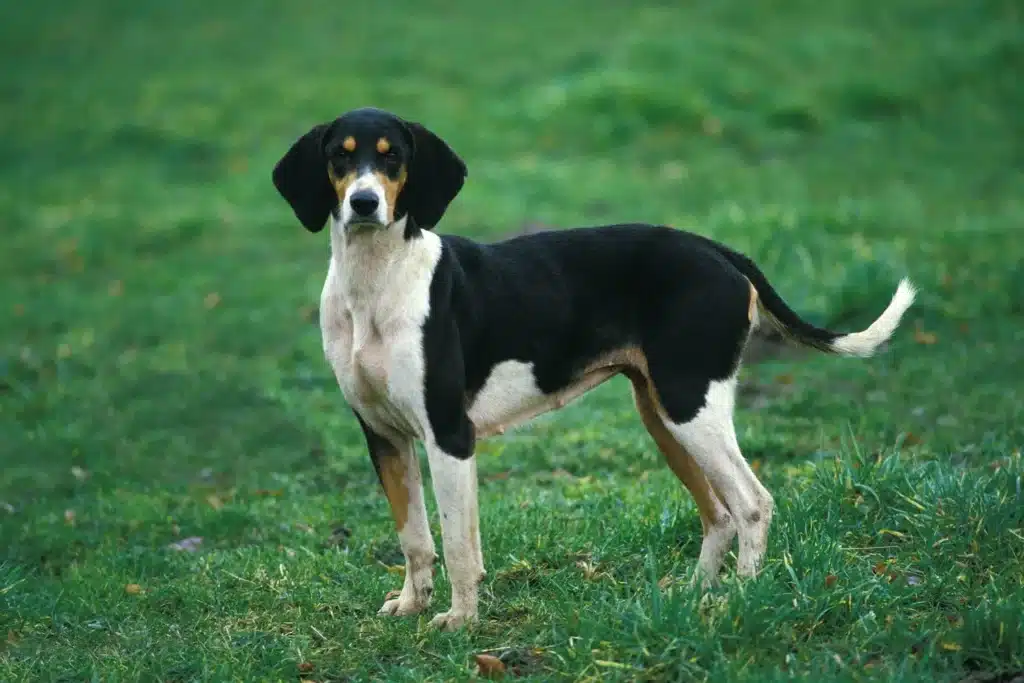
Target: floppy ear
436, 174
301, 178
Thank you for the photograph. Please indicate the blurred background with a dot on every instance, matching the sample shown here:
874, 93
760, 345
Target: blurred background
160, 363
158, 295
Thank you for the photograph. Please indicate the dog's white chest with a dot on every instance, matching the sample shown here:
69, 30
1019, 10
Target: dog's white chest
372, 311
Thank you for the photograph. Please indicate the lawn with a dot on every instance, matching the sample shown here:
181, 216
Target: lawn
161, 378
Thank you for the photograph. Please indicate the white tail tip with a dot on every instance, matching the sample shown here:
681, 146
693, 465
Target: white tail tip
866, 342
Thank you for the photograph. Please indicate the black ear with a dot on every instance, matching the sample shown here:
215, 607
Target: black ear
436, 174
301, 178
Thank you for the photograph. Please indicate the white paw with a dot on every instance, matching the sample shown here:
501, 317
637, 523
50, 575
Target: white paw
402, 606
452, 620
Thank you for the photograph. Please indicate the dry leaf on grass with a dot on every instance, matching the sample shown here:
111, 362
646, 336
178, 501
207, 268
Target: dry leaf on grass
922, 337
212, 300
831, 580
489, 666
188, 545
306, 667
214, 502
133, 589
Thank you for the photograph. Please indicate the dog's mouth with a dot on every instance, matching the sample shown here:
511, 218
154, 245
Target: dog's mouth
367, 223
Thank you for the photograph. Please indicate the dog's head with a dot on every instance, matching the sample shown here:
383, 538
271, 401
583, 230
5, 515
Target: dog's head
369, 168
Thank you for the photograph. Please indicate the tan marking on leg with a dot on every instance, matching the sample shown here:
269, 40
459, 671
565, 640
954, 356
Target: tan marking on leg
349, 144
383, 145
752, 307
392, 188
393, 478
712, 512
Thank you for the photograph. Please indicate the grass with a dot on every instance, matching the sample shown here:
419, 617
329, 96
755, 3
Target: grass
161, 376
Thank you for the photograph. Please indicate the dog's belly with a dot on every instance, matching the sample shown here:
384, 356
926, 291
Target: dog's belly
511, 397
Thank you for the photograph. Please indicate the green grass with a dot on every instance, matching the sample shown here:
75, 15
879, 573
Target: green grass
161, 374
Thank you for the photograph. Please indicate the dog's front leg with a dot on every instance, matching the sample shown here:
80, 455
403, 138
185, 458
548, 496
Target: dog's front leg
455, 486
398, 469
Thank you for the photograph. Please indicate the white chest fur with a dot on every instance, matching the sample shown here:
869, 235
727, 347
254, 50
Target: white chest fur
374, 302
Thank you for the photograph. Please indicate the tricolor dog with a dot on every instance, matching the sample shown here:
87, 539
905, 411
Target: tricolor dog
443, 340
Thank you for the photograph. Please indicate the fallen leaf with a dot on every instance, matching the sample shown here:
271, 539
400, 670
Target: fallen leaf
523, 505
64, 351
490, 666
115, 288
214, 502
79, 474
951, 647
922, 337
133, 589
187, 545
785, 378
306, 667
666, 581
69, 516
879, 569
211, 300
755, 465
912, 439
12, 637
830, 580
498, 476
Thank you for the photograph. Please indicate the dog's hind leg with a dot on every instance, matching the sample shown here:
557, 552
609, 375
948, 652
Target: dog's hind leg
717, 523
710, 438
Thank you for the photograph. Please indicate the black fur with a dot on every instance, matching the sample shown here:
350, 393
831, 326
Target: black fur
561, 299
301, 178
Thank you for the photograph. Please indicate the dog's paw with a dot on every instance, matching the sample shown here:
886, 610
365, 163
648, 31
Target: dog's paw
402, 605
452, 620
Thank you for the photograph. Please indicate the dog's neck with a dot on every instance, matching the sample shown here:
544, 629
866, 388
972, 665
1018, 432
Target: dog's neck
373, 262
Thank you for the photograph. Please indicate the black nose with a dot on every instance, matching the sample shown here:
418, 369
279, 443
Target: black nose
364, 202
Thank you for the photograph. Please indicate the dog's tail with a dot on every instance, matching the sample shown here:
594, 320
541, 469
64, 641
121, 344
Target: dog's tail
791, 326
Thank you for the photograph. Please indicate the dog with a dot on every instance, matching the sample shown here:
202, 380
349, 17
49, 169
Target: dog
446, 341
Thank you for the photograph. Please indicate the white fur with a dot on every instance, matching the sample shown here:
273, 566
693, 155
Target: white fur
710, 438
510, 396
365, 181
372, 308
866, 342
455, 488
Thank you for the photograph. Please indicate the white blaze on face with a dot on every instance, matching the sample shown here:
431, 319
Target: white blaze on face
366, 182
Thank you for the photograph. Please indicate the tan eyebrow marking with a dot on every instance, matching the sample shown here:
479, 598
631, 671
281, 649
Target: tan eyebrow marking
383, 145
349, 144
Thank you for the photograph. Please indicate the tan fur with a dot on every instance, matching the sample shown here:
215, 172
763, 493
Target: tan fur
392, 188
